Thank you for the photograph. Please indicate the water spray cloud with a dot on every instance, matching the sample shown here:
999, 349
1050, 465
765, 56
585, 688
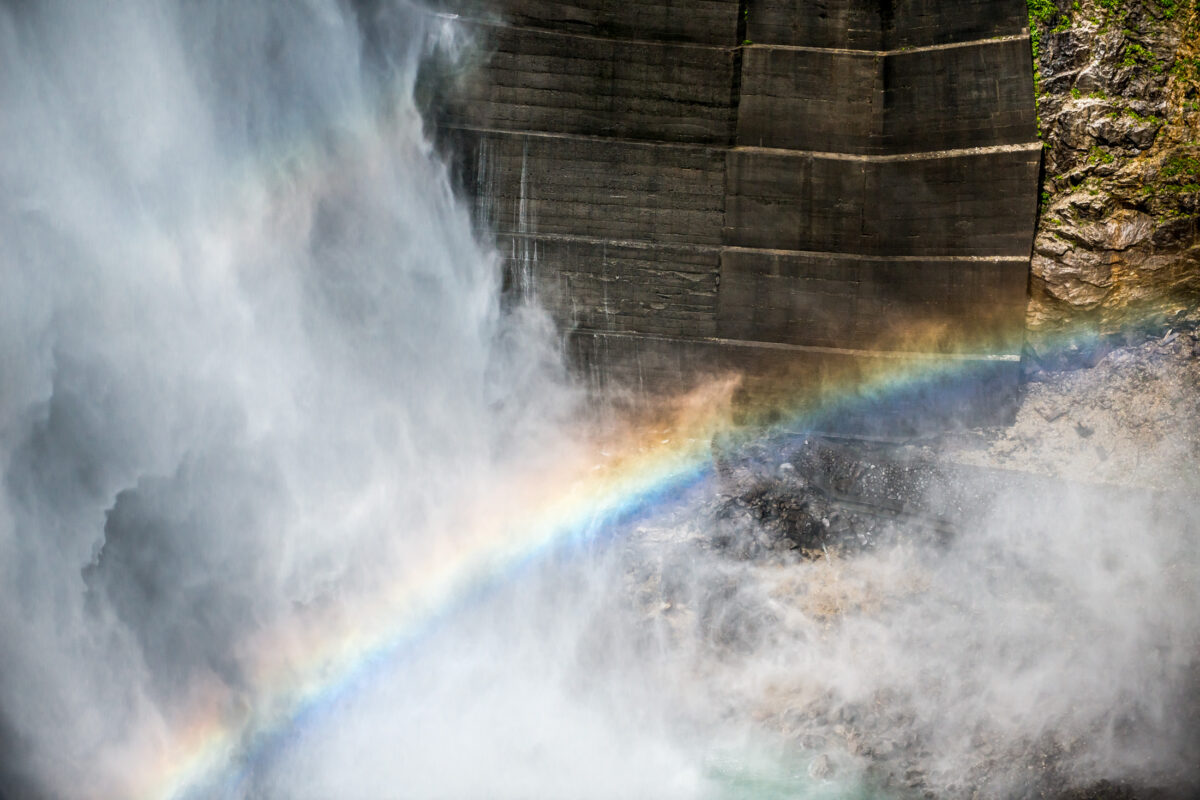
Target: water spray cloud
264, 428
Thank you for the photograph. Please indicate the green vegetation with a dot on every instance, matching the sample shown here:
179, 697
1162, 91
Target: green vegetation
1098, 155
1042, 14
1124, 110
1044, 11
1136, 55
1185, 171
1181, 166
1168, 8
1150, 119
1113, 12
1172, 188
1186, 68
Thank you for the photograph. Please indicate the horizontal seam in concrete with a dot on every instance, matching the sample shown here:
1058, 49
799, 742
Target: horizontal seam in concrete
846, 51
926, 155
609, 39
865, 257
491, 23
641, 244
583, 137
803, 348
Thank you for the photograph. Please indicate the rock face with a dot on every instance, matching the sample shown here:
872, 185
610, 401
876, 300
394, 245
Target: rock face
765, 186
1119, 107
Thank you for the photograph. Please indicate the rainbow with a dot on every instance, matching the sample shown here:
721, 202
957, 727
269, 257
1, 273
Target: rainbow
318, 658
337, 655
323, 657
644, 473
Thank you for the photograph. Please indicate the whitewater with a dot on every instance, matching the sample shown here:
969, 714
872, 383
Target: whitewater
296, 504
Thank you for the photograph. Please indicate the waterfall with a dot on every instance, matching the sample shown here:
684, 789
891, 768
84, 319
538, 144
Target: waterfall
253, 359
293, 506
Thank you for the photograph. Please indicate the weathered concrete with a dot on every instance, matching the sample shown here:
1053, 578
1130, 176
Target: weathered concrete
956, 203
814, 386
877, 102
861, 301
701, 179
882, 24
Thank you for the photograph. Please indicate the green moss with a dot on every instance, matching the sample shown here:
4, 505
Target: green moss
1043, 14
1114, 12
1150, 119
1181, 166
1186, 68
1168, 8
1098, 155
1136, 55
1043, 11
1185, 169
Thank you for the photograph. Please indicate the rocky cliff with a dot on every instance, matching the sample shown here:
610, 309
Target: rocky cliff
1119, 112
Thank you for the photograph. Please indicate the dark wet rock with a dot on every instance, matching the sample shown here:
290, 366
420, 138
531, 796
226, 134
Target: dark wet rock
836, 494
788, 512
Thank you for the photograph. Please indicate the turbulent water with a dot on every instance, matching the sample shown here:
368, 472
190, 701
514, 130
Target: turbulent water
255, 375
252, 355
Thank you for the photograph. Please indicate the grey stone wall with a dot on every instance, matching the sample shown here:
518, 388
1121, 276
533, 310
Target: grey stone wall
796, 173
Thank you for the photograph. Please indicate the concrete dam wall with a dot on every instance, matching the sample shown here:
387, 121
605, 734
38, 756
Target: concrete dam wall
772, 186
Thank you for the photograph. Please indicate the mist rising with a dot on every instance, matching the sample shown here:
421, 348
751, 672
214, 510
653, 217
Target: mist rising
260, 402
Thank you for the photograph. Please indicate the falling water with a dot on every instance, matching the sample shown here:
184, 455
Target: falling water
252, 359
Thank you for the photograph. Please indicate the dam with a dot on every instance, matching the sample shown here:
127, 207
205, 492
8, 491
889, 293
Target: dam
299, 498
775, 187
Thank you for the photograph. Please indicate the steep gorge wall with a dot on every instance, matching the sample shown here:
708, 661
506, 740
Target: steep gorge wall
1117, 246
770, 185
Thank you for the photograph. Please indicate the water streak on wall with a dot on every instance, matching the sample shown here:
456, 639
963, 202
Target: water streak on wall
762, 185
